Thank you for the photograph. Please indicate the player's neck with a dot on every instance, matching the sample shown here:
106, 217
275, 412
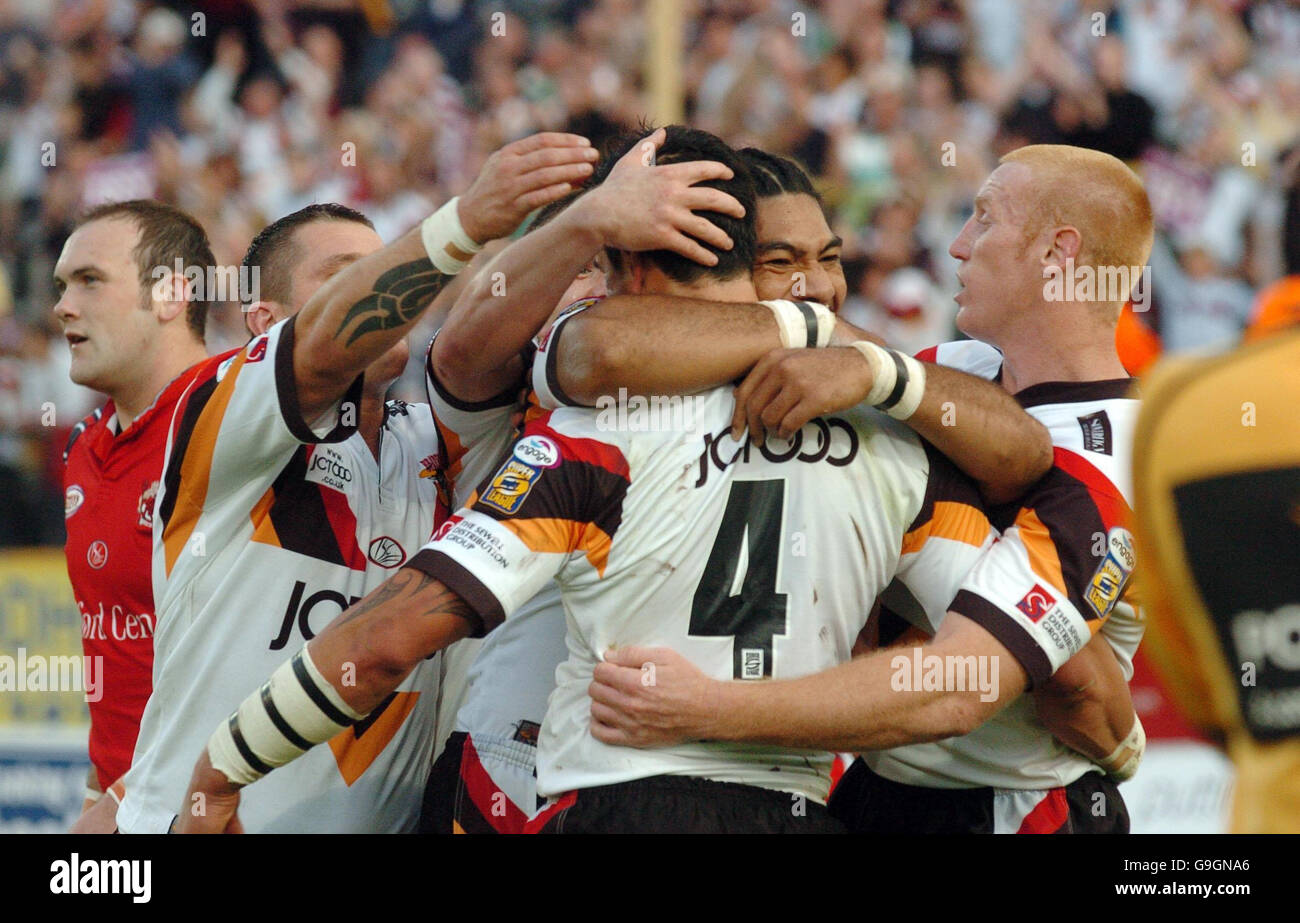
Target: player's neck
1032, 361
740, 289
136, 396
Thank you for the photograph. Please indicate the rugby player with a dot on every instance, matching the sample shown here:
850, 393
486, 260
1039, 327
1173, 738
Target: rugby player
493, 751
955, 759
291, 489
647, 532
485, 780
135, 330
1220, 522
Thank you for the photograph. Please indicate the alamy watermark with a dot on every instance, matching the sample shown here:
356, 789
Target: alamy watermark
1111, 284
921, 672
39, 673
636, 413
211, 284
76, 875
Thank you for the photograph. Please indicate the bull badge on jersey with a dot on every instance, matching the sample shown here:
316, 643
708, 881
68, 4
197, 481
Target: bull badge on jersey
145, 506
1112, 574
516, 478
72, 500
386, 552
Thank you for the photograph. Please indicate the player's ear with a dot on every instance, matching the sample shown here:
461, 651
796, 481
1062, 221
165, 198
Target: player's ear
169, 294
259, 317
1066, 243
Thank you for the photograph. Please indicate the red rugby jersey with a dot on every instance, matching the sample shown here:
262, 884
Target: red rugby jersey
109, 484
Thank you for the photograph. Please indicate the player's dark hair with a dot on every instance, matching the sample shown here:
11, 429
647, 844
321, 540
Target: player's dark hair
273, 249
682, 145
774, 175
167, 234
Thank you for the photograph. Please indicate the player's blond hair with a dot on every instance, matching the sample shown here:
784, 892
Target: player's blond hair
1093, 192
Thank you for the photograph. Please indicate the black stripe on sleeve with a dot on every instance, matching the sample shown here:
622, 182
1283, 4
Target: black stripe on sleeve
244, 750
457, 578
510, 395
286, 389
579, 491
552, 358
280, 723
314, 693
1066, 508
1003, 627
194, 405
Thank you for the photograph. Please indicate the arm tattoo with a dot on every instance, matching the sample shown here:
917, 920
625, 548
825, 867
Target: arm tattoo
398, 297
391, 588
449, 603
409, 582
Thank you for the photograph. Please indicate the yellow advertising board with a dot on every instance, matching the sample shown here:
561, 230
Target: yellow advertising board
40, 629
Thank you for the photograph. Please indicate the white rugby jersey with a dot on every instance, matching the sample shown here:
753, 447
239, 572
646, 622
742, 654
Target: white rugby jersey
751, 562
266, 529
502, 699
1059, 574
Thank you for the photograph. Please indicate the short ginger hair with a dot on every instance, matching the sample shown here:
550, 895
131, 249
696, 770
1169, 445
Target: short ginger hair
1093, 192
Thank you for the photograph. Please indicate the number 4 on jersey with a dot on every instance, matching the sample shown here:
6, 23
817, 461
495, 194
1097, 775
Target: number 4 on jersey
747, 552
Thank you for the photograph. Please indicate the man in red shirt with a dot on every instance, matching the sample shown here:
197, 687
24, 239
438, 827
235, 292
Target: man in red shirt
135, 328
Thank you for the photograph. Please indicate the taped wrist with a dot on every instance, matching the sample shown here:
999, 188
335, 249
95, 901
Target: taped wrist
802, 323
897, 380
1122, 764
294, 710
445, 240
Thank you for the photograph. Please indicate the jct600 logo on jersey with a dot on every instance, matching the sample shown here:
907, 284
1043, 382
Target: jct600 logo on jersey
299, 611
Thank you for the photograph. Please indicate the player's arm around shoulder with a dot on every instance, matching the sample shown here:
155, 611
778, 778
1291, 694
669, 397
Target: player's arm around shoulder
873, 702
984, 431
972, 421
639, 206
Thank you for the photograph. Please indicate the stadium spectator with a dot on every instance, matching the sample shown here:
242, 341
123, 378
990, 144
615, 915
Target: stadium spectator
274, 106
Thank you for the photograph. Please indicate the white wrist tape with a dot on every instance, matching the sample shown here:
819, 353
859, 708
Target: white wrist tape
825, 322
897, 380
802, 323
446, 242
1136, 741
294, 710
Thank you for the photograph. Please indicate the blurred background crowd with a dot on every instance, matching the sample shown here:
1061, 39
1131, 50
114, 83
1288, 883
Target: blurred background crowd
240, 111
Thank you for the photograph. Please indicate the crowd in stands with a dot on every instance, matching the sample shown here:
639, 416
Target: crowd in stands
240, 111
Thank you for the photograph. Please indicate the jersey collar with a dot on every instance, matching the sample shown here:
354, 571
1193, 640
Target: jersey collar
165, 399
1073, 392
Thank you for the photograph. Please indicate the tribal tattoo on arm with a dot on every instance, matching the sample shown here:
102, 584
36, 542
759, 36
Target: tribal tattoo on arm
418, 595
398, 297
